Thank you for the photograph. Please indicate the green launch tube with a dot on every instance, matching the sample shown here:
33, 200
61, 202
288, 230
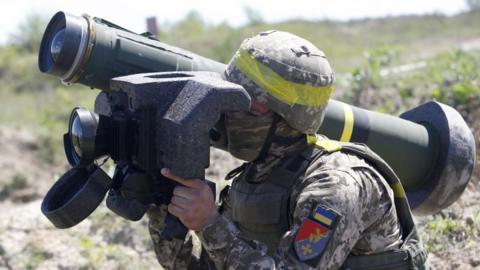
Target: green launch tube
430, 147
393, 138
91, 51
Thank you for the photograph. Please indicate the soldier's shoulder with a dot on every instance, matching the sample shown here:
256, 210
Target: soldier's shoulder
345, 174
338, 160
346, 183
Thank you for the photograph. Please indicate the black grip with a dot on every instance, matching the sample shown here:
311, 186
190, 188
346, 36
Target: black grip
173, 228
130, 209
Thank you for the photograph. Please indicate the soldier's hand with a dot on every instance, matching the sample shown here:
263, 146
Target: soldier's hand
193, 203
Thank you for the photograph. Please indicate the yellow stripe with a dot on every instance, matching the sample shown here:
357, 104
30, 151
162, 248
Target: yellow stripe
288, 92
348, 124
328, 145
398, 190
311, 139
323, 219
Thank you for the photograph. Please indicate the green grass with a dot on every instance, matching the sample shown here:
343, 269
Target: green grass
37, 102
18, 181
45, 113
441, 232
97, 252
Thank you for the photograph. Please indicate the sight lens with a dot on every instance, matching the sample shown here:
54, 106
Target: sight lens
79, 142
76, 134
57, 44
63, 45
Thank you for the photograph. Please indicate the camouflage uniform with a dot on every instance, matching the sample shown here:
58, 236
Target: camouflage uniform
364, 201
344, 185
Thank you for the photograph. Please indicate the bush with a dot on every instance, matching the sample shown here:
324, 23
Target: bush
17, 182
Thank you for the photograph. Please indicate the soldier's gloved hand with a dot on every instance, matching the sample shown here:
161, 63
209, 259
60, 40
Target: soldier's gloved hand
193, 203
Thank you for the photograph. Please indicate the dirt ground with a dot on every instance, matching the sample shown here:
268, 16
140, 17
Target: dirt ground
105, 241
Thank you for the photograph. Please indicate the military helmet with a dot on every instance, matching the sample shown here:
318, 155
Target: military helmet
288, 74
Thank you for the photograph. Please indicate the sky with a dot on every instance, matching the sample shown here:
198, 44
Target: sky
132, 14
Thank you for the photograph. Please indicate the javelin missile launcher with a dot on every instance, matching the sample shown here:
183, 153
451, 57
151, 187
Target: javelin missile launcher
430, 147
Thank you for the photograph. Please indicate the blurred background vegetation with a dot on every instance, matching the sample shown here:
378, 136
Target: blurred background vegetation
388, 64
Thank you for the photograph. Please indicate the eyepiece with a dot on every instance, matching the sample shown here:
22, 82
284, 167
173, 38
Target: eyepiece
80, 141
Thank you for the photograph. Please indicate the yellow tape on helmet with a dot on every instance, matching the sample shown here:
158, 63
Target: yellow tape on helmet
288, 92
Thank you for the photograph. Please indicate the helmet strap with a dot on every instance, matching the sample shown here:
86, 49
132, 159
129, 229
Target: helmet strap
269, 139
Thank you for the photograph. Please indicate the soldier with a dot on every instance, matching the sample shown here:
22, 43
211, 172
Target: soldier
301, 201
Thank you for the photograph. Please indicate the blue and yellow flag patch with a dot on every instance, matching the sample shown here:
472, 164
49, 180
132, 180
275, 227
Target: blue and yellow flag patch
315, 232
325, 215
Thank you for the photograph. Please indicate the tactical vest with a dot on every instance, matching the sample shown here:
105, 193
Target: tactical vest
261, 210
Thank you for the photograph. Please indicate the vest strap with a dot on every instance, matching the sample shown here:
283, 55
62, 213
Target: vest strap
235, 172
392, 260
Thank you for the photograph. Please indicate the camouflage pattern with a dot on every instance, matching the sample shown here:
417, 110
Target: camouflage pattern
246, 133
344, 182
278, 151
296, 60
176, 254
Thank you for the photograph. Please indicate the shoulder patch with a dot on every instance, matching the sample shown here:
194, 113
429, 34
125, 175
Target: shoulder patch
315, 233
325, 215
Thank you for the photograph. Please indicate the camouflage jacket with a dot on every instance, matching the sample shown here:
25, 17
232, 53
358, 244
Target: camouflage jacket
356, 193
